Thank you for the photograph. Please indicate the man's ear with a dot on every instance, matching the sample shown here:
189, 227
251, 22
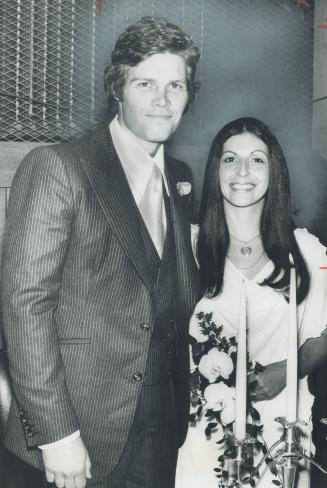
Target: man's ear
114, 92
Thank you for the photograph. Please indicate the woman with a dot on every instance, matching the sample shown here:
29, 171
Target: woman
246, 235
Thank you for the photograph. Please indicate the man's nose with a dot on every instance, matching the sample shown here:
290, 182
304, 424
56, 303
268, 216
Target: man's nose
161, 98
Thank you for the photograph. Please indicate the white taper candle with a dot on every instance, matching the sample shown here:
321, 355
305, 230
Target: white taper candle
241, 371
291, 376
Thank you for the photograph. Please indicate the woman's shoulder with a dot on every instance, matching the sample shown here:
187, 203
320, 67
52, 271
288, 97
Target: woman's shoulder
311, 248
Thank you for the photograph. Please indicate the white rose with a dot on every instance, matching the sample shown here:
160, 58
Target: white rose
184, 188
214, 364
221, 398
227, 415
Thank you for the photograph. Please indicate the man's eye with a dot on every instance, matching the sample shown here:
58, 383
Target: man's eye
144, 84
177, 86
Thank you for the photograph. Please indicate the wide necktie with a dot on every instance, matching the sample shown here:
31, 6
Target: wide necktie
152, 209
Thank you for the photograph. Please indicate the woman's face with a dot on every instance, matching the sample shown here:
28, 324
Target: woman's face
244, 170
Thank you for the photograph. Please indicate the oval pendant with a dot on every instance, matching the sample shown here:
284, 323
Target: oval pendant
246, 250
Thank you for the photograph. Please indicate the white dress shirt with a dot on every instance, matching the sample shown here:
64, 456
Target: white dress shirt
137, 163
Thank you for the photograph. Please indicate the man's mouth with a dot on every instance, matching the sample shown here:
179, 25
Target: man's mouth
159, 116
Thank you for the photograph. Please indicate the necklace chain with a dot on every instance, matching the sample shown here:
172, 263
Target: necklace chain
245, 242
245, 250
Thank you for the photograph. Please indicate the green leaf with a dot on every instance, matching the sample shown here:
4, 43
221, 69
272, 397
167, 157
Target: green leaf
273, 469
246, 479
221, 441
208, 316
209, 413
208, 430
192, 417
255, 414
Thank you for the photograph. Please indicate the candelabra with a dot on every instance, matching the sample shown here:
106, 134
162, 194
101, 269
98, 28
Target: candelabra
286, 452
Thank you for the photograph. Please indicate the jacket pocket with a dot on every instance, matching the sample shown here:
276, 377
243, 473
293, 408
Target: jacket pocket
74, 340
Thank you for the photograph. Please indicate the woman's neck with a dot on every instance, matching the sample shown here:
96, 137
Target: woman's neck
243, 222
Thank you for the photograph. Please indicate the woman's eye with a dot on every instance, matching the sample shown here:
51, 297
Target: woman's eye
258, 160
229, 159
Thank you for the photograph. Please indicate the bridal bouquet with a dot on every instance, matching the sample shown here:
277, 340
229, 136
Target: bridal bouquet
213, 376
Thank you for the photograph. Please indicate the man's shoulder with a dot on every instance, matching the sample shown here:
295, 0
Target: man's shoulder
74, 148
67, 153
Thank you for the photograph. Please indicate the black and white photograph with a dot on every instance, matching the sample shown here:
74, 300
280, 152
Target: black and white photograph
163, 243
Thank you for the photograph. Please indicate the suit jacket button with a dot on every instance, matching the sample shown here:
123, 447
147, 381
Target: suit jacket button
145, 326
137, 376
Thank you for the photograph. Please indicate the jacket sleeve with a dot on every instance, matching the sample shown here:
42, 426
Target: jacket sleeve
40, 218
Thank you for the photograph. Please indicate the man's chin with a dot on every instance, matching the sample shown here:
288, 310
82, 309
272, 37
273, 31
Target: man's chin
159, 137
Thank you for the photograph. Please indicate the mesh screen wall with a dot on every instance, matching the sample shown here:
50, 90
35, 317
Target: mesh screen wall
256, 60
48, 75
256, 57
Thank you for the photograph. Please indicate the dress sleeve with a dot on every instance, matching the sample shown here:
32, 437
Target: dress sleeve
313, 311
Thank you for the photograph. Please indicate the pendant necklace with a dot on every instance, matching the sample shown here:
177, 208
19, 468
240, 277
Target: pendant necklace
245, 250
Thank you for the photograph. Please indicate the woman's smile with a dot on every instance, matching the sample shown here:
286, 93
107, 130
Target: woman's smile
244, 170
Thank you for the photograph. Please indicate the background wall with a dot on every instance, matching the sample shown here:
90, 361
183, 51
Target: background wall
257, 58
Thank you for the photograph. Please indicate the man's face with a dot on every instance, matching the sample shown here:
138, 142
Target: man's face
154, 98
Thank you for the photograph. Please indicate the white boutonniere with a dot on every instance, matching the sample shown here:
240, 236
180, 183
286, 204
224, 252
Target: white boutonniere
184, 188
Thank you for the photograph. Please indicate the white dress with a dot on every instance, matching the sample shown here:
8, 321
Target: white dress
267, 321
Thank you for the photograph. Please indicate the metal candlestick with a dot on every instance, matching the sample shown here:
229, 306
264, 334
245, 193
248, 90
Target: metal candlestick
290, 452
240, 464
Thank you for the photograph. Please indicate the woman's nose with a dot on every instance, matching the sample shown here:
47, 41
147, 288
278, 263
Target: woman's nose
243, 168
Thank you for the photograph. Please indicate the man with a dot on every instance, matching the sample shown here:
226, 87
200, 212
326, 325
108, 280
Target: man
99, 281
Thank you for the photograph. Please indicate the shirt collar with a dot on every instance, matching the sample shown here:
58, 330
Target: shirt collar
136, 162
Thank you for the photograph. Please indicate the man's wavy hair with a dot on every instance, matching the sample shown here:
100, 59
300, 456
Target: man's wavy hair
150, 35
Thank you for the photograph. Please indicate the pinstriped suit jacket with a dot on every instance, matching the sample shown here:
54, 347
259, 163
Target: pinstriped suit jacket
75, 289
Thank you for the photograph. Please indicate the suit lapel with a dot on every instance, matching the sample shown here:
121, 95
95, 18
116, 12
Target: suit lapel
110, 185
187, 273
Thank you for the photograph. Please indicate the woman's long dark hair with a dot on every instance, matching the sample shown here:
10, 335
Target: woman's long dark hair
276, 225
